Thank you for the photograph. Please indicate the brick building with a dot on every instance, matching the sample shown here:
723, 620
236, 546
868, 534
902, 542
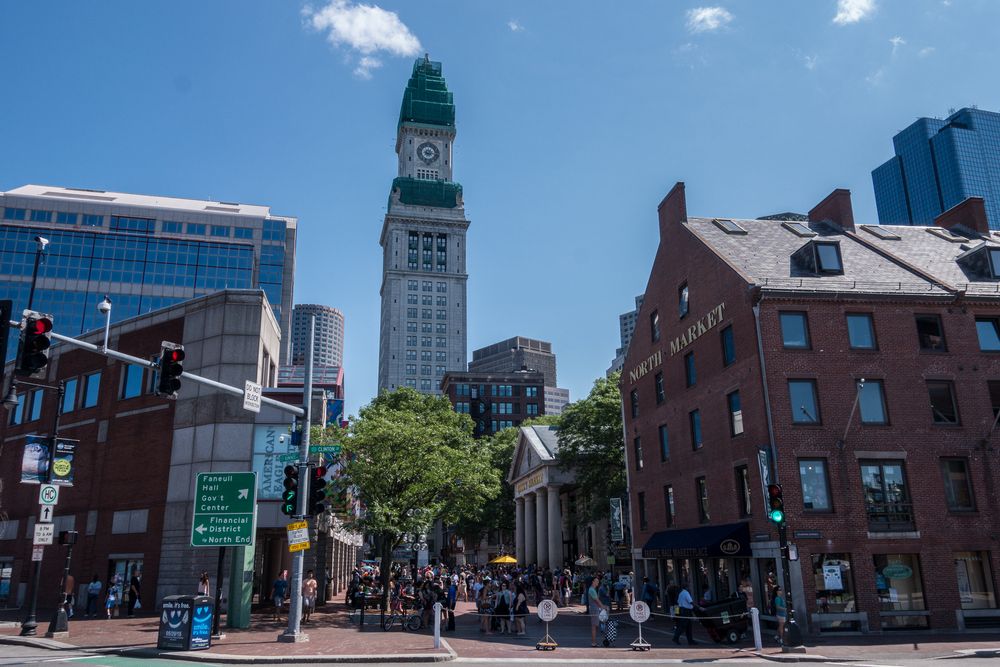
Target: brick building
138, 454
855, 365
496, 401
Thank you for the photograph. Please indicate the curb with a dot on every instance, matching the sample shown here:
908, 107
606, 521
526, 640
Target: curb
226, 658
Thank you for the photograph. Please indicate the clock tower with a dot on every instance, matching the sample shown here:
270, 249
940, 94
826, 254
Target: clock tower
423, 320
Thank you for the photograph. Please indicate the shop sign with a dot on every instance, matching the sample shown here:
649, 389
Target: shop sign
897, 571
729, 547
536, 479
807, 534
698, 329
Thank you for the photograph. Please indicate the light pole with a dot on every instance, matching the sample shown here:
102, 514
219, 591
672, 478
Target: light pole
42, 242
30, 625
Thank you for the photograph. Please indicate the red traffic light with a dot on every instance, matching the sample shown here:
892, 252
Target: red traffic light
774, 491
40, 326
173, 355
320, 471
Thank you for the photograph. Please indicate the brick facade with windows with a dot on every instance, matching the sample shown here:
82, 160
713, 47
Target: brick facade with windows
496, 401
890, 484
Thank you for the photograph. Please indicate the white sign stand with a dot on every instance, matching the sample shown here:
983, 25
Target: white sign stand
547, 612
639, 611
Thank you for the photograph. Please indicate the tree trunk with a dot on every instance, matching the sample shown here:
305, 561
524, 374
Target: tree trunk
387, 547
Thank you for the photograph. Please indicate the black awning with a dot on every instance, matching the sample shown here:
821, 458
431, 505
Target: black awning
731, 539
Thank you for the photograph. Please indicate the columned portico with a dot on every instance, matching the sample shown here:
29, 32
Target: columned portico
555, 529
542, 526
530, 555
519, 530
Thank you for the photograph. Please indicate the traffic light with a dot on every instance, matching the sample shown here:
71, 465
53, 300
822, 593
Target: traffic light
775, 504
290, 497
171, 368
33, 353
317, 491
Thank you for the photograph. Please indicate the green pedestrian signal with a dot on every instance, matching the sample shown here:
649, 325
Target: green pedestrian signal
290, 497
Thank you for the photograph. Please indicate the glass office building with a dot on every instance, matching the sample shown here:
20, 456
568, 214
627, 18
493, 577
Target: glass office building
144, 252
938, 164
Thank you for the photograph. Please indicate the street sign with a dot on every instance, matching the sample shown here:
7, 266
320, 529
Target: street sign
225, 509
251, 396
547, 611
48, 494
43, 533
298, 536
291, 456
639, 611
45, 516
324, 449
36, 553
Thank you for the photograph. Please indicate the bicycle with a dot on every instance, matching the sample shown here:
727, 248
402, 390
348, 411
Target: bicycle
407, 617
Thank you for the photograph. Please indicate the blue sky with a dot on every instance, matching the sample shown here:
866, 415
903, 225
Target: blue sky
574, 119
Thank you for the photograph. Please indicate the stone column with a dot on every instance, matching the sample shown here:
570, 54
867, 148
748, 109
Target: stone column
519, 530
555, 529
542, 527
530, 554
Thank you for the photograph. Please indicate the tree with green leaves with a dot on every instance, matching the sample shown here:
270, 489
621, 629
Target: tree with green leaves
592, 445
413, 459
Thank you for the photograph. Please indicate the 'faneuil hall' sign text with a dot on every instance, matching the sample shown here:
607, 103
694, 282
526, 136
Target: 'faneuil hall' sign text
691, 334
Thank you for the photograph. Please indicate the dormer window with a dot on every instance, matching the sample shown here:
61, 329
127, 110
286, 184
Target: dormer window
995, 262
981, 262
828, 257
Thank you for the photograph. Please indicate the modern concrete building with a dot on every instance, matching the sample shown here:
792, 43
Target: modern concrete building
516, 354
626, 326
143, 251
556, 399
328, 340
857, 366
138, 454
423, 317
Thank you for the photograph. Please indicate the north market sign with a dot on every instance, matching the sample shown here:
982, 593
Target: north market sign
693, 333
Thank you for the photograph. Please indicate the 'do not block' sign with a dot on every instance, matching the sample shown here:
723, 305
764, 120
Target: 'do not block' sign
639, 611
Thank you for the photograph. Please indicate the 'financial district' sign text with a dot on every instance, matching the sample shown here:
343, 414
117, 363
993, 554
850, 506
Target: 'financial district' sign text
225, 509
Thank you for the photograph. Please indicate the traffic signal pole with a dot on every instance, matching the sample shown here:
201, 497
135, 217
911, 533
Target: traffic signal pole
294, 631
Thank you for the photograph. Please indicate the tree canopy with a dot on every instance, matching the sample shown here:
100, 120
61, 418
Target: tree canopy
592, 444
412, 459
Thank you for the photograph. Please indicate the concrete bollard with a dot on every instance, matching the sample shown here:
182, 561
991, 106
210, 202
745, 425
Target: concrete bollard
437, 625
755, 620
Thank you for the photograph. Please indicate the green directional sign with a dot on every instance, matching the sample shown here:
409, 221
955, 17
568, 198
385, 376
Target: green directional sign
324, 449
225, 509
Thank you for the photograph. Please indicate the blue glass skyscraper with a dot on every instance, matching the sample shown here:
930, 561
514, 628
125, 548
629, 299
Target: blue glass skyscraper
938, 164
145, 252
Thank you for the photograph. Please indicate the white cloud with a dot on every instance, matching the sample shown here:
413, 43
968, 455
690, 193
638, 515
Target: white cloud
875, 78
852, 11
810, 61
897, 42
926, 51
514, 26
707, 19
365, 29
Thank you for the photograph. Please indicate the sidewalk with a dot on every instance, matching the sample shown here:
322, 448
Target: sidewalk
333, 638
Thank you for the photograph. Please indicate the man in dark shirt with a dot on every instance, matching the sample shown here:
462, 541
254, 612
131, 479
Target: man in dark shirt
134, 594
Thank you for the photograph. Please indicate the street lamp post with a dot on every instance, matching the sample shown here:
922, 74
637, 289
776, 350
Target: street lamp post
30, 625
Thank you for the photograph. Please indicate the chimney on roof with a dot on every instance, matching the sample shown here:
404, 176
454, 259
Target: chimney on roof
673, 209
970, 215
836, 208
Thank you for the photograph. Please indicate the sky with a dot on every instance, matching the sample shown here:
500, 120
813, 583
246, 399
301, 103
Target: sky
574, 119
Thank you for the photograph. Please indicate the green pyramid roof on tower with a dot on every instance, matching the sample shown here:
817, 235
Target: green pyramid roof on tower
426, 98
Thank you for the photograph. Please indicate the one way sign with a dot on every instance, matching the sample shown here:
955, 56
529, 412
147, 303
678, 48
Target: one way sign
46, 514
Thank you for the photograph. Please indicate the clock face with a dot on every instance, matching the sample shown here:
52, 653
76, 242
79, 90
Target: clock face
428, 152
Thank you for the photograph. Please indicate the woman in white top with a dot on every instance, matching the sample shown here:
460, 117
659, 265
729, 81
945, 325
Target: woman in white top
203, 586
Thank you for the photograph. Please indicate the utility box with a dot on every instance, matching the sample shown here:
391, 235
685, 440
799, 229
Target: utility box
186, 623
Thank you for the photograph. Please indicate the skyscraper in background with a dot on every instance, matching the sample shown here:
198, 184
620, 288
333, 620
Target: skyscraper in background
422, 333
145, 252
626, 327
938, 164
516, 354
328, 342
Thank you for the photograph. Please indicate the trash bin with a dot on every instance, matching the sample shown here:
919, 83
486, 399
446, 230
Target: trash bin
186, 623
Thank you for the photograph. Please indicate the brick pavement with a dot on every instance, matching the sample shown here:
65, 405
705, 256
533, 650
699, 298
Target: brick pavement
332, 634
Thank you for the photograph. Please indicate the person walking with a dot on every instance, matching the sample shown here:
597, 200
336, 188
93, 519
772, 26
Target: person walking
204, 588
685, 604
93, 595
134, 592
780, 612
594, 608
111, 599
278, 590
308, 596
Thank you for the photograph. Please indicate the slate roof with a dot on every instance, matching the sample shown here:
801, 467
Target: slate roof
923, 264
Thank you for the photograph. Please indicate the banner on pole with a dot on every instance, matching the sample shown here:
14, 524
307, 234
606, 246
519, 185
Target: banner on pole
617, 532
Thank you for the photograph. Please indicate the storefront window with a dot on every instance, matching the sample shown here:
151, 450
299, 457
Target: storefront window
898, 583
834, 583
975, 580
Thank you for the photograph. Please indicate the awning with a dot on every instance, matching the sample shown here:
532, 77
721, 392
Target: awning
731, 539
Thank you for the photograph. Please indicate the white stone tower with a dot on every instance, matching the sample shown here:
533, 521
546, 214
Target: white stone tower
423, 332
